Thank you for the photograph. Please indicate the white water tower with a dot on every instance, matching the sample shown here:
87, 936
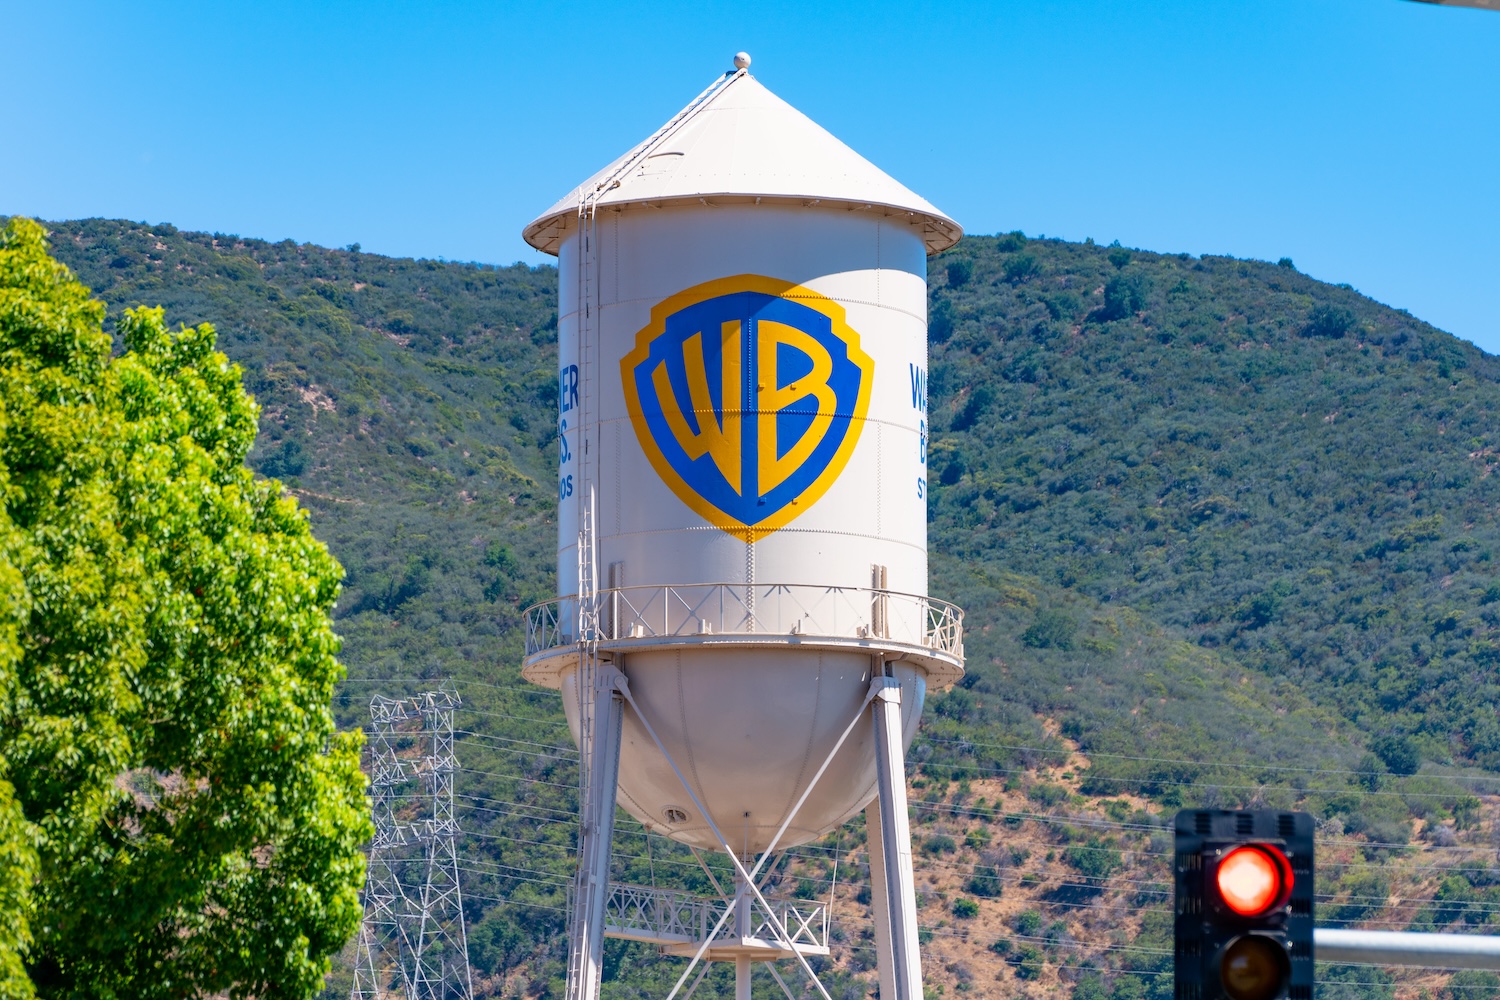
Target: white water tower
743, 636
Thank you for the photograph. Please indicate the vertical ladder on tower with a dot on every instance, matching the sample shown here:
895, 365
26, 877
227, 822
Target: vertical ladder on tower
580, 984
588, 418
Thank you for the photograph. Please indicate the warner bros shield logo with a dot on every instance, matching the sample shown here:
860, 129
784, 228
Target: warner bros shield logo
748, 395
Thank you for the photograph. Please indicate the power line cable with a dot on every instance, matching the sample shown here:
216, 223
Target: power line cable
1198, 763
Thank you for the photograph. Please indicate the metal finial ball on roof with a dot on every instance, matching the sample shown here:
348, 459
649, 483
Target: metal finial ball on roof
742, 60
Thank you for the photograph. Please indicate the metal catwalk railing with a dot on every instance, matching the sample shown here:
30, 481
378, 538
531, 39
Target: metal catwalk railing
763, 609
667, 917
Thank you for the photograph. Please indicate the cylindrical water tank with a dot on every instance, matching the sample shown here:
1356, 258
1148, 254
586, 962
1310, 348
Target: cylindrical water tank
742, 477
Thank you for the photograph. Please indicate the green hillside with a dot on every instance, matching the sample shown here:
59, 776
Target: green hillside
1273, 468
1224, 529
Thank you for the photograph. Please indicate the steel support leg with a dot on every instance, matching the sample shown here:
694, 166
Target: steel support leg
880, 899
742, 966
596, 836
892, 883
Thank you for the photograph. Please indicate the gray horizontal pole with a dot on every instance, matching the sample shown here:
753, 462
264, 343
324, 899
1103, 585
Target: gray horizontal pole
1432, 951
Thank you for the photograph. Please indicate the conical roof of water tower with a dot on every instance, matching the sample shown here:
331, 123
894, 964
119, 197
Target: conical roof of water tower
740, 143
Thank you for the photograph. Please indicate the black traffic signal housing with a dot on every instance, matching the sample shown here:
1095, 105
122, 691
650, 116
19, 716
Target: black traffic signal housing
1244, 905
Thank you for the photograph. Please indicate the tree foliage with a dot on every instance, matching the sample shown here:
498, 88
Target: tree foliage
1124, 295
1050, 630
180, 813
1330, 322
1398, 753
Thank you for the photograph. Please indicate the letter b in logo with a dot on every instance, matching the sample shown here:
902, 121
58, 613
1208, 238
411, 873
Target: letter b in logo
748, 395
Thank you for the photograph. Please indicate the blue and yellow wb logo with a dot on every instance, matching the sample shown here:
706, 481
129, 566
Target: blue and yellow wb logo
748, 395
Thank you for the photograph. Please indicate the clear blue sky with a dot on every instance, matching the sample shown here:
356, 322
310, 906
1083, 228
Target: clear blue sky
1359, 137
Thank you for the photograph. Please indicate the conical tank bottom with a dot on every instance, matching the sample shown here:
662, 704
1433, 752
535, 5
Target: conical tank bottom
749, 730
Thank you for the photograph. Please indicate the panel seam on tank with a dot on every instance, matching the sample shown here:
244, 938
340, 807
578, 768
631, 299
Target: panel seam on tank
635, 802
779, 531
865, 420
749, 571
750, 400
812, 715
841, 300
874, 305
834, 295
688, 740
918, 221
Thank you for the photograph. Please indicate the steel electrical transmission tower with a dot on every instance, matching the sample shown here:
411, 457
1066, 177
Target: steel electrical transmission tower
412, 942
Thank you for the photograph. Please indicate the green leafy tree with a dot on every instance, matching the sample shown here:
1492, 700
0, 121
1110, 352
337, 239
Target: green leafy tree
1027, 962
1356, 982
1027, 923
1330, 322
940, 321
965, 908
984, 882
1398, 753
178, 816
1050, 630
1468, 983
1097, 859
1124, 295
17, 838
1372, 772
1090, 987
959, 272
1022, 268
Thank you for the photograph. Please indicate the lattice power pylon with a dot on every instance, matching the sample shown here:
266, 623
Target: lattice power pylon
412, 941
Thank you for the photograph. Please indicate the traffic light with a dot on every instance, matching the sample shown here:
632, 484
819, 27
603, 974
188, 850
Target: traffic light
1244, 913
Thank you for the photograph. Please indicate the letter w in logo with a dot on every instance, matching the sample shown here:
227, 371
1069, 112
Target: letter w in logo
748, 395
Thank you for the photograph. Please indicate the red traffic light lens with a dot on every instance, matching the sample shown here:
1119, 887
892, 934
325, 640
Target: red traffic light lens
1254, 968
1254, 879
